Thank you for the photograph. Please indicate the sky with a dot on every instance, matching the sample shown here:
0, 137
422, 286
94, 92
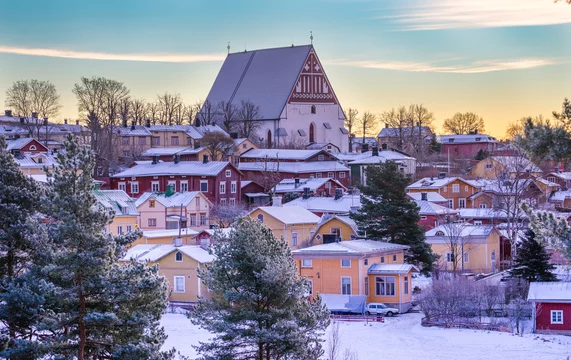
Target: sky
502, 59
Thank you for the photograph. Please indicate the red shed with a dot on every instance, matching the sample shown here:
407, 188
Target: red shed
551, 307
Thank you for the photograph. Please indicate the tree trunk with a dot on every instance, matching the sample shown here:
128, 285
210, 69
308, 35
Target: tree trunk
82, 328
10, 273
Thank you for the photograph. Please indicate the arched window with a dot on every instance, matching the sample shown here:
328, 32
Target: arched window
313, 109
178, 256
311, 133
439, 233
269, 139
33, 147
261, 218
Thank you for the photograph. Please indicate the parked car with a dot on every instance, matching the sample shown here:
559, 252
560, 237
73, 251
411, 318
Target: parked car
380, 308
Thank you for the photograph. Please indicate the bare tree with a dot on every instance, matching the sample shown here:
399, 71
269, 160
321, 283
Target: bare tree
248, 116
125, 110
456, 238
367, 124
294, 141
168, 104
464, 123
33, 97
206, 113
189, 114
229, 113
153, 111
420, 117
139, 111
334, 345
400, 120
226, 215
218, 144
351, 123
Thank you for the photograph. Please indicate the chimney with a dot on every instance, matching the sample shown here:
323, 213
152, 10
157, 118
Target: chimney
418, 124
205, 243
365, 148
34, 115
384, 146
8, 113
96, 186
386, 125
177, 242
375, 151
176, 158
124, 123
296, 180
204, 159
133, 125
442, 175
234, 135
338, 193
476, 132
424, 196
22, 120
155, 159
65, 121
277, 201
148, 123
306, 193
45, 121
76, 122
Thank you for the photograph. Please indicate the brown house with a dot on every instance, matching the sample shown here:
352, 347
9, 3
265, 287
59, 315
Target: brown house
455, 189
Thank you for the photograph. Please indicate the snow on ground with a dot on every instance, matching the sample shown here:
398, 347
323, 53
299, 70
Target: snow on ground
404, 338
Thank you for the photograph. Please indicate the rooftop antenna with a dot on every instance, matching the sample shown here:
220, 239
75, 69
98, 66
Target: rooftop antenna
311, 37
228, 47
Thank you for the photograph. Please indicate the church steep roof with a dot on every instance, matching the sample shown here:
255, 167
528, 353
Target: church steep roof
264, 77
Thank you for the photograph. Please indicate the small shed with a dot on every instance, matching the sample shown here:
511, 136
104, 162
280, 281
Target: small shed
551, 307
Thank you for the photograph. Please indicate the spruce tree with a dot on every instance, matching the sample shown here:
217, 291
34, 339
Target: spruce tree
532, 260
388, 215
260, 308
91, 307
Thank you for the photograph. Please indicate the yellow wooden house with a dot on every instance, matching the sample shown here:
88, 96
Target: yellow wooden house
154, 237
373, 269
337, 227
508, 166
123, 206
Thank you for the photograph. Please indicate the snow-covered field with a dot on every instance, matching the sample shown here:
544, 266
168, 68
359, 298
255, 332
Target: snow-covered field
403, 338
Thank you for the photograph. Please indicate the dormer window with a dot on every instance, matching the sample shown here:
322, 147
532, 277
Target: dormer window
178, 256
313, 109
439, 233
450, 140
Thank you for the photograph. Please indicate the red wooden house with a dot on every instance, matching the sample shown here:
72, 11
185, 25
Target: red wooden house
551, 307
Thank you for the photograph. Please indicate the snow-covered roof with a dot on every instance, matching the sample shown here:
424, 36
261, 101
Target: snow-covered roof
195, 132
245, 183
42, 178
342, 205
351, 247
460, 229
343, 218
564, 175
163, 151
516, 164
116, 200
293, 167
223, 231
12, 130
265, 77
175, 200
211, 168
435, 183
137, 130
289, 185
281, 154
391, 268
154, 234
430, 208
431, 196
560, 195
502, 187
549, 292
30, 161
547, 182
291, 215
466, 139
155, 252
484, 213
406, 131
18, 144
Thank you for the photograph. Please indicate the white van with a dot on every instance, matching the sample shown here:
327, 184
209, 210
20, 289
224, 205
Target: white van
380, 308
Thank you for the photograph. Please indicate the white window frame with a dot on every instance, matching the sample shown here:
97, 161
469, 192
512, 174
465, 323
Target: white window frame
175, 284
342, 175
205, 182
176, 256
343, 292
466, 188
306, 263
120, 230
223, 201
365, 262
446, 189
455, 188
203, 219
232, 202
477, 222
558, 316
451, 203
449, 257
331, 174
318, 175
228, 173
184, 186
394, 258
294, 238
423, 217
122, 186
344, 266
483, 206
135, 187
155, 185
406, 284
461, 203
466, 257
385, 287
233, 187
129, 228
382, 259
152, 222
366, 286
320, 157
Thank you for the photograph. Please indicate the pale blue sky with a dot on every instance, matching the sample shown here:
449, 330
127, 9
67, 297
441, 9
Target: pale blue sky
503, 59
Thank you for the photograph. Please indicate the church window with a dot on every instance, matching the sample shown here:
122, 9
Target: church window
311, 133
269, 139
313, 109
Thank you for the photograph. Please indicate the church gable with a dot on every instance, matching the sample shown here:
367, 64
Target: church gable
312, 85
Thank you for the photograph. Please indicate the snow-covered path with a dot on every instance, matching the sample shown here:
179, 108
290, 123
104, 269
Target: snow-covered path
403, 338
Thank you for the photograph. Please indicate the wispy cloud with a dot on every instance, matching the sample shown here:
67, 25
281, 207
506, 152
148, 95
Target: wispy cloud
453, 14
86, 55
482, 66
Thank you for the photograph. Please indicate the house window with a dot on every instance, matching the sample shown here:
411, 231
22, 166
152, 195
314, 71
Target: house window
345, 285
451, 203
551, 179
155, 186
336, 231
345, 263
192, 220
310, 285
466, 257
223, 201
125, 141
461, 203
203, 219
174, 140
228, 173
406, 285
488, 166
557, 316
142, 140
477, 222
152, 203
318, 175
394, 258
179, 284
466, 188
449, 257
423, 218
382, 259
483, 206
134, 188
233, 187
385, 286
119, 230
331, 175
122, 186
261, 218
178, 256
306, 263
446, 189
197, 201
129, 228
153, 222
455, 188
342, 175
366, 262
223, 187
204, 185
156, 140
320, 157
184, 186
294, 238
232, 202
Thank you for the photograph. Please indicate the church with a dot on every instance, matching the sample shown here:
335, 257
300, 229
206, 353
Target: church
297, 105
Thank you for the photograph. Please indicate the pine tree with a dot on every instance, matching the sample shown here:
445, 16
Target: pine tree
532, 260
21, 236
388, 215
90, 306
260, 309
